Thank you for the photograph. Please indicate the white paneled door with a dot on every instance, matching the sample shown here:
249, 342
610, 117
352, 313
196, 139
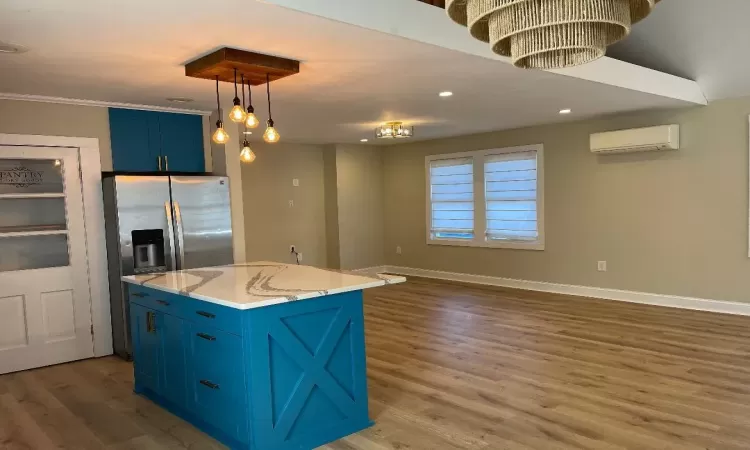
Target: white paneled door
45, 300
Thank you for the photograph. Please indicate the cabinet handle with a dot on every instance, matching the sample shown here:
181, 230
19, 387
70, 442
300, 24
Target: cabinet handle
139, 294
162, 302
209, 384
166, 163
150, 322
205, 336
206, 314
158, 160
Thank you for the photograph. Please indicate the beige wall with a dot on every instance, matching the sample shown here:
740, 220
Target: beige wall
360, 206
50, 119
271, 225
53, 119
666, 222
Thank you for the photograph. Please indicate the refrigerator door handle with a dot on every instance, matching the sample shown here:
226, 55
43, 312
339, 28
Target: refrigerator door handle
180, 235
170, 233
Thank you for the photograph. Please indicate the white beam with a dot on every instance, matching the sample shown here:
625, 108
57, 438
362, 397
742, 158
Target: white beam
424, 23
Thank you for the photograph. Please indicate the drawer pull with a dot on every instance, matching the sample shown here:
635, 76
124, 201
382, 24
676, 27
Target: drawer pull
205, 336
139, 294
209, 384
162, 302
206, 314
150, 322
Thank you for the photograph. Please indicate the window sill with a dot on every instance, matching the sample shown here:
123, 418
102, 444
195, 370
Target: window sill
536, 245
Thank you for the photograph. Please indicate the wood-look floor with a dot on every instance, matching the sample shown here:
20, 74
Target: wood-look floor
461, 367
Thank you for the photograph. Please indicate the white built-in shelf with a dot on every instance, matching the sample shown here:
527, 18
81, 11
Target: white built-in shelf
40, 230
41, 195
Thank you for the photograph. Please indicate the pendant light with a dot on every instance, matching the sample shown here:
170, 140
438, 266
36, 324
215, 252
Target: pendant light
251, 120
246, 154
271, 135
220, 136
237, 114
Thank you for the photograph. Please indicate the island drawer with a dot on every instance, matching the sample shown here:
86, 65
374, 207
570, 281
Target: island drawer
152, 298
217, 379
196, 311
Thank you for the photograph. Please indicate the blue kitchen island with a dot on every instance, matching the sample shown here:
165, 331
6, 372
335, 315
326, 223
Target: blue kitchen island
260, 355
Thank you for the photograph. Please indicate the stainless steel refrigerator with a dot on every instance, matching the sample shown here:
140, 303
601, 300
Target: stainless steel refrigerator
161, 223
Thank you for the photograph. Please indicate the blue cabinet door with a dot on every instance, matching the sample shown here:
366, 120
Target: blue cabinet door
135, 140
173, 335
181, 138
145, 328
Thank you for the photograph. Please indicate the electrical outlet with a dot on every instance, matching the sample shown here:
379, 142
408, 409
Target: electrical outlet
291, 203
398, 250
602, 266
292, 248
295, 182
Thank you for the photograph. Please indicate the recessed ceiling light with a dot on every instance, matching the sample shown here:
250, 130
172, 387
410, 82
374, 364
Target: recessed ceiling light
247, 132
446, 94
179, 99
7, 47
565, 111
363, 140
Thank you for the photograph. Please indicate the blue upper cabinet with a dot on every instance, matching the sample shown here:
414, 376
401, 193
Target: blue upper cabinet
182, 142
135, 140
148, 141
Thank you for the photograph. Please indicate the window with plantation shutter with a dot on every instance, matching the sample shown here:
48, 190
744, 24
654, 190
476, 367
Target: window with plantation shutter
487, 198
452, 198
510, 181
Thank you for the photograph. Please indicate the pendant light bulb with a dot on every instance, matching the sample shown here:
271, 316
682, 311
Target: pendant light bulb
271, 135
237, 114
251, 120
247, 155
220, 136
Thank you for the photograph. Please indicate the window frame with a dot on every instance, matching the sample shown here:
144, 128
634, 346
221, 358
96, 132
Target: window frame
480, 214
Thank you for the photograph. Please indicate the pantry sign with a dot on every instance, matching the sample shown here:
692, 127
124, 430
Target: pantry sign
21, 177
31, 176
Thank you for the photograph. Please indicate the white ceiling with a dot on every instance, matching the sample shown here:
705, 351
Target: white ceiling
351, 78
702, 40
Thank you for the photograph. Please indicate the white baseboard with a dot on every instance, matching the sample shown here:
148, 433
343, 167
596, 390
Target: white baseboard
372, 270
672, 301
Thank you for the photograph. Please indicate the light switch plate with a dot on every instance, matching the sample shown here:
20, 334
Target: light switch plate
295, 182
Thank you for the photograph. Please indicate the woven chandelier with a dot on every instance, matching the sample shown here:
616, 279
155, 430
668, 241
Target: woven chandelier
549, 34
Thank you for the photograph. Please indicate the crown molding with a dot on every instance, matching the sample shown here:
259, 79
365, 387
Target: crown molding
97, 103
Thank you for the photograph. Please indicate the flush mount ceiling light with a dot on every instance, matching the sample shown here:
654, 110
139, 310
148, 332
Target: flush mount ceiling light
393, 130
549, 34
446, 94
7, 47
565, 111
363, 140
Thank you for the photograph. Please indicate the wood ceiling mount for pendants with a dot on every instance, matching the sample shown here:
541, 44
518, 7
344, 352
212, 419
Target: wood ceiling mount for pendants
254, 66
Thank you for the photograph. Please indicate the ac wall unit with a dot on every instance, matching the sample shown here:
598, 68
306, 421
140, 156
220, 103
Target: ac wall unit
665, 137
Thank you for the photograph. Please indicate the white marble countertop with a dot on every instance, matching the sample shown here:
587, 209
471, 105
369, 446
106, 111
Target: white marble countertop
258, 284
